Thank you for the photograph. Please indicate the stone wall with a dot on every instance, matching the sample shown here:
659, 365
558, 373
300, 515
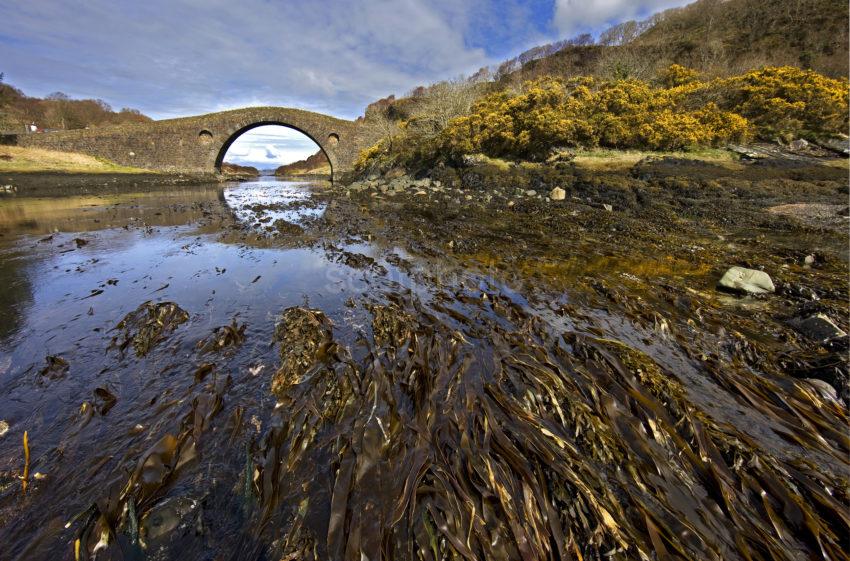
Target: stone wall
198, 144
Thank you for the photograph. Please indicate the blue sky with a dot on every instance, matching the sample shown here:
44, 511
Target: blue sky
171, 58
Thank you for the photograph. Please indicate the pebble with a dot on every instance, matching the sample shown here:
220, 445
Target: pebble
557, 194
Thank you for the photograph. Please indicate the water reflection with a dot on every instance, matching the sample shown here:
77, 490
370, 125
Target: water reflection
22, 215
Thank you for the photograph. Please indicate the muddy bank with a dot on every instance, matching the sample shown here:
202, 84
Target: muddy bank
424, 370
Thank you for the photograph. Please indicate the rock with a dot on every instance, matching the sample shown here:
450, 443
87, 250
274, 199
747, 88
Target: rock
560, 156
798, 144
557, 194
4, 428
745, 153
420, 193
609, 208
749, 281
824, 389
171, 515
474, 159
809, 260
531, 193
818, 327
839, 144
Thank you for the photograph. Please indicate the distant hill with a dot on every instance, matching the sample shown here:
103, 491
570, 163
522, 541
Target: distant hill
235, 169
58, 111
317, 164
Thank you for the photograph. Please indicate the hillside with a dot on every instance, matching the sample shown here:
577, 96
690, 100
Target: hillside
735, 35
717, 37
58, 111
314, 165
228, 168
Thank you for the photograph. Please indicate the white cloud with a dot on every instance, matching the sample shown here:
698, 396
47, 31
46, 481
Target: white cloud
270, 146
173, 58
184, 57
578, 16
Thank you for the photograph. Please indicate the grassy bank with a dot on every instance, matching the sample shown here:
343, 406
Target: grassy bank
18, 159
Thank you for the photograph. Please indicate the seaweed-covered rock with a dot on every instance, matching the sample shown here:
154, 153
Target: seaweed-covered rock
223, 338
286, 227
818, 327
306, 337
148, 325
56, 367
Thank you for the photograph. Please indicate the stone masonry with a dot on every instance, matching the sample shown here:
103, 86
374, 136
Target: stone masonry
198, 144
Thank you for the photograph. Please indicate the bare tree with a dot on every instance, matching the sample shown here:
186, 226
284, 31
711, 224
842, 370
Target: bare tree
443, 102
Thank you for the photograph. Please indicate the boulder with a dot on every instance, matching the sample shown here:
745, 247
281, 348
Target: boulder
748, 281
818, 327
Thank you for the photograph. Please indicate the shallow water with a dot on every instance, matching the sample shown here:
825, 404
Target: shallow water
425, 409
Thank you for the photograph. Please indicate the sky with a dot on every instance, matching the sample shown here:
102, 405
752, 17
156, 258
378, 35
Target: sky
172, 58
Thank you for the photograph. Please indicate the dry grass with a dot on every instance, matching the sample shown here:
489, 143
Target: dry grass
624, 159
33, 160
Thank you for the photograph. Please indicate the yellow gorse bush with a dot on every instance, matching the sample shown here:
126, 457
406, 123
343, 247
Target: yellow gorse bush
786, 100
587, 112
679, 113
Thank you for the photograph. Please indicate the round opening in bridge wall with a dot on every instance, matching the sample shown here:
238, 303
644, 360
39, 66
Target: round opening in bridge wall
333, 139
205, 137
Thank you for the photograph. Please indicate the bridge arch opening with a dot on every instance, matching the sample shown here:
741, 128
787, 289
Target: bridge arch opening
272, 146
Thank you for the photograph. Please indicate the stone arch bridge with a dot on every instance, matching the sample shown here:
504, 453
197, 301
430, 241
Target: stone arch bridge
198, 144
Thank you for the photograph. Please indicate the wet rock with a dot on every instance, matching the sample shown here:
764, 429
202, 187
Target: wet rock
557, 194
823, 389
148, 325
748, 281
174, 515
818, 327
